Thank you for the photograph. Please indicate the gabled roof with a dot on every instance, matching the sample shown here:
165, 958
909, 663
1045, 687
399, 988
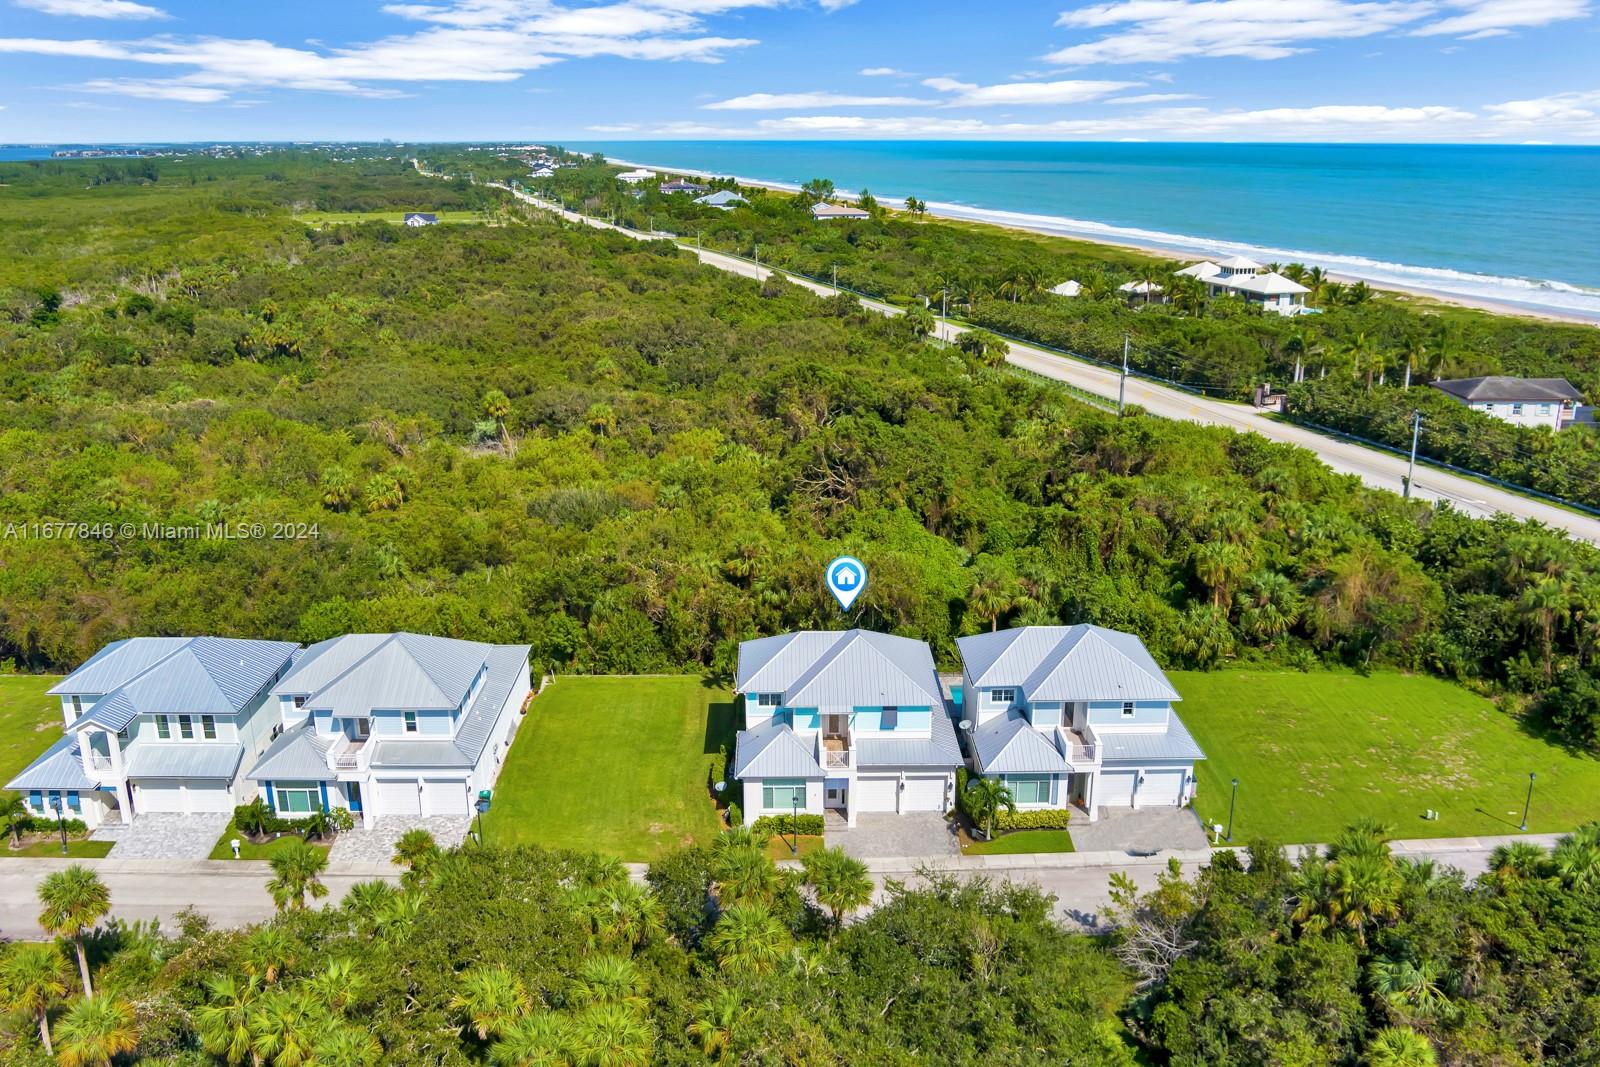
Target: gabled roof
1142, 288
1239, 263
60, 767
153, 675
824, 210
772, 750
425, 216
721, 198
1203, 269
208, 759
1010, 745
297, 754
1070, 287
359, 673
1501, 387
1269, 284
813, 668
505, 665
1079, 662
938, 750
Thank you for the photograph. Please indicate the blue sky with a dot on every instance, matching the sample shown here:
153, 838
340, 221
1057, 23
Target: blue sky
1209, 70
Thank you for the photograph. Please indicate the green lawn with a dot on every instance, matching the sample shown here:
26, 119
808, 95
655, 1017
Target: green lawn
1315, 751
30, 722
1019, 841
616, 765
249, 850
778, 847
52, 847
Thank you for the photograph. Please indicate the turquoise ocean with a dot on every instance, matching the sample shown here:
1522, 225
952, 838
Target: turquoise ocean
1517, 224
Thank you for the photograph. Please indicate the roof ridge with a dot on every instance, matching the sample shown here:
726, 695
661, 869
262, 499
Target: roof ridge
358, 661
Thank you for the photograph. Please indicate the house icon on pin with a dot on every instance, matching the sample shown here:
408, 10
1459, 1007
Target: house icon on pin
846, 577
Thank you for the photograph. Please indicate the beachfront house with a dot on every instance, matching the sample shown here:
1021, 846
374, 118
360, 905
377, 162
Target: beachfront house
1245, 278
842, 723
725, 199
157, 724
1548, 402
421, 218
1075, 716
1149, 292
392, 724
681, 185
634, 177
1070, 287
825, 210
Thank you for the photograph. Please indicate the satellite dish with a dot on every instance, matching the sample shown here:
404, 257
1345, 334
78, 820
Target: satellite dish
966, 724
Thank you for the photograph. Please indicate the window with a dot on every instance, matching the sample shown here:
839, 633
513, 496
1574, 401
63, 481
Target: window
1003, 696
1544, 409
1516, 409
769, 700
163, 727
783, 794
299, 702
297, 798
1127, 709
36, 799
77, 707
890, 718
74, 803
1029, 788
186, 727
208, 727
411, 722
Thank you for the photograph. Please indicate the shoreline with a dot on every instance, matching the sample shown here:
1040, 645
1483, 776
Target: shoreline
1017, 222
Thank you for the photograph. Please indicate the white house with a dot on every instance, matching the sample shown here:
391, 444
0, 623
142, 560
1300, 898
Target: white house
633, 177
1148, 290
392, 724
1070, 287
1238, 276
1549, 402
421, 218
724, 199
845, 721
157, 724
1075, 715
824, 210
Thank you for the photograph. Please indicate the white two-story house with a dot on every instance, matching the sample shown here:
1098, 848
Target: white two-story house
845, 721
1074, 715
157, 724
392, 724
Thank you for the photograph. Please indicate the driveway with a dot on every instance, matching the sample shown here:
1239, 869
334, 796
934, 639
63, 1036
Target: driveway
160, 836
896, 836
376, 845
1139, 833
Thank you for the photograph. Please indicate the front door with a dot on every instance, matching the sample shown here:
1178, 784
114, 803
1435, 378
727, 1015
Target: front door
835, 724
836, 794
352, 792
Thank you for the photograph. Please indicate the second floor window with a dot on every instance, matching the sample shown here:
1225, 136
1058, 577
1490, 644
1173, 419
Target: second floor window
163, 727
1127, 709
299, 702
769, 700
1003, 696
186, 727
77, 707
208, 727
411, 722
890, 719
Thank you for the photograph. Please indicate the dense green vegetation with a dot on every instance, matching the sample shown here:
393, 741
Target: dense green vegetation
545, 433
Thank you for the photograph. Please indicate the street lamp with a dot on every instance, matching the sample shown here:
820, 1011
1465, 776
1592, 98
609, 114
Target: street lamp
794, 823
482, 807
1231, 798
1526, 804
61, 822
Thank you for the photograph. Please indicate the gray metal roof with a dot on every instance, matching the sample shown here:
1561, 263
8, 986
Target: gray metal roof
410, 755
1503, 388
721, 198
772, 750
194, 675
184, 759
1079, 662
60, 767
1175, 742
1013, 746
834, 668
297, 754
360, 673
939, 750
505, 666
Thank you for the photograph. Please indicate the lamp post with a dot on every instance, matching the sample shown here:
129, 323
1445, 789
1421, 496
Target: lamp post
794, 823
1231, 798
61, 822
1526, 804
481, 806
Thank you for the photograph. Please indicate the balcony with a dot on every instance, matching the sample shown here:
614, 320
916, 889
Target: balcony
350, 755
836, 753
98, 762
1079, 749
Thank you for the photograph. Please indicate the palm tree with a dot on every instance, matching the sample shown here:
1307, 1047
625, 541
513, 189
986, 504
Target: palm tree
270, 952
1363, 890
1364, 357
919, 320
297, 868
223, 1022
744, 873
253, 818
1577, 862
610, 1035
717, 1020
338, 488
33, 977
347, 1046
1520, 861
416, 851
1544, 603
541, 1039
993, 593
839, 880
96, 1031
632, 916
1218, 564
491, 998
1400, 1047
74, 899
14, 815
609, 979
1269, 606
497, 406
284, 1029
1415, 349
338, 985
601, 419
984, 799
748, 940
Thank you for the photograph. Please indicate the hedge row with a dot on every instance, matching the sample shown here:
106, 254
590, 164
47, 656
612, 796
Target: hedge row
1042, 819
40, 824
804, 825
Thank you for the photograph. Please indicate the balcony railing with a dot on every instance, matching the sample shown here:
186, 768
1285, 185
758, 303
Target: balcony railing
99, 762
1077, 748
836, 759
351, 755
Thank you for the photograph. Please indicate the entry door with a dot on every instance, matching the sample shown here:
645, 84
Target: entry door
363, 729
836, 724
835, 796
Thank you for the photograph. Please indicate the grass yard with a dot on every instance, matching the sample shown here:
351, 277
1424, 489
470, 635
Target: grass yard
330, 218
778, 847
1315, 751
1019, 841
615, 765
52, 847
30, 722
249, 850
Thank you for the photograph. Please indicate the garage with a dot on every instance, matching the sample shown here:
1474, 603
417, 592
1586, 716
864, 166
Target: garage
877, 793
444, 796
1161, 788
399, 798
923, 792
1115, 789
209, 796
157, 795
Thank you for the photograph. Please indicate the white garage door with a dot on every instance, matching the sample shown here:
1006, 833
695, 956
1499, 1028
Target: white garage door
1115, 789
923, 792
157, 795
210, 796
877, 794
399, 798
444, 797
1161, 788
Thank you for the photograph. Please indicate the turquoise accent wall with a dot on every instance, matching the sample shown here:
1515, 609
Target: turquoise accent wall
912, 720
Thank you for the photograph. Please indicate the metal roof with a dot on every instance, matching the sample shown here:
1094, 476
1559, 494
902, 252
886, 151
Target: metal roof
1501, 387
1013, 746
194, 675
505, 664
834, 668
395, 755
1175, 742
1079, 662
772, 750
359, 673
60, 767
183, 759
297, 754
939, 750
721, 198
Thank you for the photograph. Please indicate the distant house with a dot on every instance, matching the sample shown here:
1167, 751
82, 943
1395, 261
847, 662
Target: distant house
726, 199
421, 218
1238, 276
1148, 290
1551, 402
681, 186
1067, 288
825, 210
633, 177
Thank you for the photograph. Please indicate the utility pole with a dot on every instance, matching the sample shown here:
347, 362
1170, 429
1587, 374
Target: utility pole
1411, 468
1122, 380
944, 303
836, 275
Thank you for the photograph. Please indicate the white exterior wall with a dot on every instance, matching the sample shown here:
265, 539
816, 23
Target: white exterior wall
500, 738
752, 797
1167, 783
1547, 413
181, 795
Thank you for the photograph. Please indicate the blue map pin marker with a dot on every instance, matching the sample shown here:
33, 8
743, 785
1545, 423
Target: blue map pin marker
847, 576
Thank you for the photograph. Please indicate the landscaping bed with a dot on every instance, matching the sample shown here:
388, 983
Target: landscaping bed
34, 845
1017, 842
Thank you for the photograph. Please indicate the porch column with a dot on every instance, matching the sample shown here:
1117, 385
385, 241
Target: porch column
1088, 796
850, 802
124, 790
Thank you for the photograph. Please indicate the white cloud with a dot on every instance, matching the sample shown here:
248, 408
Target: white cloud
1024, 93
884, 72
621, 127
794, 101
1153, 98
1559, 108
155, 90
1495, 18
95, 9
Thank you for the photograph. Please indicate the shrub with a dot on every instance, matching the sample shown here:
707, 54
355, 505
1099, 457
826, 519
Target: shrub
1043, 819
805, 825
681, 881
735, 815
718, 771
961, 791
257, 819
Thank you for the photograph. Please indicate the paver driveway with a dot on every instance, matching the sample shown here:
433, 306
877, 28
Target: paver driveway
377, 844
886, 836
160, 836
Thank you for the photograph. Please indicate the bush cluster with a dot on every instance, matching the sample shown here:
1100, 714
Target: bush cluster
46, 824
1042, 819
805, 825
